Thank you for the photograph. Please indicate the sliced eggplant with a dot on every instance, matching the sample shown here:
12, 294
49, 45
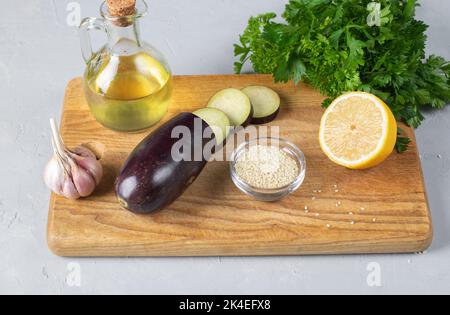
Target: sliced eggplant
217, 120
235, 104
265, 103
163, 165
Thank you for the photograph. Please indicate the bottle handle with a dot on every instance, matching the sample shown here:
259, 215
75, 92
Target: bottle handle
86, 26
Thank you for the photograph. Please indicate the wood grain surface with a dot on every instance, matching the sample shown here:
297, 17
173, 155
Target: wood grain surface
382, 210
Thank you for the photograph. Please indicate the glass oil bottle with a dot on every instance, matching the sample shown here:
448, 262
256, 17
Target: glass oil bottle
127, 83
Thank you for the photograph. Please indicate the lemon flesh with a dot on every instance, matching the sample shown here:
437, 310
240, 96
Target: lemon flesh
358, 131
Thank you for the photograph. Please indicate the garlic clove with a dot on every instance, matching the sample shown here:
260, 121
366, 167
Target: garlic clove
88, 161
69, 190
84, 152
84, 182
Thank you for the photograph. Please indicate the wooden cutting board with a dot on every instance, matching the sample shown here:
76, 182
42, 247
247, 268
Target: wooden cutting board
382, 210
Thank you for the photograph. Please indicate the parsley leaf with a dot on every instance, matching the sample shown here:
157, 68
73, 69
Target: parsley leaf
402, 142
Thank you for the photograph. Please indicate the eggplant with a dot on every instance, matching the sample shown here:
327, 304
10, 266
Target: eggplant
235, 104
156, 174
218, 121
265, 103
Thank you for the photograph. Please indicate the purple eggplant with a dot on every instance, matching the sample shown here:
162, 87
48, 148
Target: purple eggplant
158, 171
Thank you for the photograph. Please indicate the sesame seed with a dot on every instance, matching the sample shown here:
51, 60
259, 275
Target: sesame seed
352, 223
266, 167
328, 225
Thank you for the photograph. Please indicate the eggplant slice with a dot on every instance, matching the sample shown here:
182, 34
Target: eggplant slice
265, 103
217, 120
235, 104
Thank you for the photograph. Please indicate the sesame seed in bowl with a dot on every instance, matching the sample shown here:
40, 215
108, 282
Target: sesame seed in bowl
268, 169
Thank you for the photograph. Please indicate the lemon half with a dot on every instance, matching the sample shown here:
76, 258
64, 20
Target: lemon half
358, 131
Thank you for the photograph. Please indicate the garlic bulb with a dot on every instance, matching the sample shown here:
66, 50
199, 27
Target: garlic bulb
71, 173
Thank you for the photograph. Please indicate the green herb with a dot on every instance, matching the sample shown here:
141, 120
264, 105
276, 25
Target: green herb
347, 45
402, 142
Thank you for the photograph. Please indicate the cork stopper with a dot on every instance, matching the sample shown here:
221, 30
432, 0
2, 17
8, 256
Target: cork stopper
121, 8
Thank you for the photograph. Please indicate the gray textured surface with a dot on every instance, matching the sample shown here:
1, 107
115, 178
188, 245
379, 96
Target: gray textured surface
39, 53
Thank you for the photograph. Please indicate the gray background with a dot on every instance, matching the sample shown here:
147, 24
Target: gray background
39, 54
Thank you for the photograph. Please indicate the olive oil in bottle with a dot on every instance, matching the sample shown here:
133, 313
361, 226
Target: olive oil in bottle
128, 93
128, 84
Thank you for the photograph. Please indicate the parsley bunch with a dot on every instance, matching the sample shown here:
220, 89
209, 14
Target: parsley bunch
348, 45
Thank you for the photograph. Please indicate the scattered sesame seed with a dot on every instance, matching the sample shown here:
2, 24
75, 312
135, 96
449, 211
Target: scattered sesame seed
362, 209
328, 225
336, 191
306, 207
352, 223
313, 198
350, 213
374, 220
319, 191
317, 214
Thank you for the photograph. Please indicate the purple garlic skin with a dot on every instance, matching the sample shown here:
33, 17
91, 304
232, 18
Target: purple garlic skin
72, 173
85, 159
87, 171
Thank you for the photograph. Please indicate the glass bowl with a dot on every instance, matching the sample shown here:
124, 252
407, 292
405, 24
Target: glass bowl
264, 194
